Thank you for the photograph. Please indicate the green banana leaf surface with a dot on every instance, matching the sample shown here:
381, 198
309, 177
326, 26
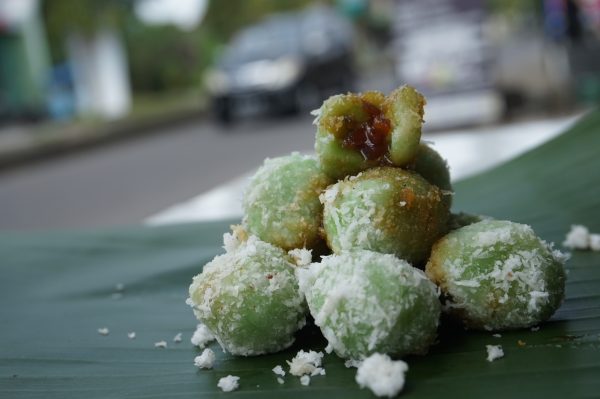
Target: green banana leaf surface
57, 289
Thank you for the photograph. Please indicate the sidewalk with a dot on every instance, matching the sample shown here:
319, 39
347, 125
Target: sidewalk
20, 144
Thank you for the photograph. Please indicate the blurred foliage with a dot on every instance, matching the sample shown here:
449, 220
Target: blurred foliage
224, 18
513, 8
63, 17
161, 58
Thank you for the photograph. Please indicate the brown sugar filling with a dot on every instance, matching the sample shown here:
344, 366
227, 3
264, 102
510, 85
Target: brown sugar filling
369, 137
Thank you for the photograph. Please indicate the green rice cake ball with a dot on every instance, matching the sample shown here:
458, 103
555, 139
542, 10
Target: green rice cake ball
249, 298
430, 164
385, 209
359, 131
498, 275
281, 203
366, 302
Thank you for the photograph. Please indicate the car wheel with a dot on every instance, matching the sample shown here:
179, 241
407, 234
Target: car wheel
223, 111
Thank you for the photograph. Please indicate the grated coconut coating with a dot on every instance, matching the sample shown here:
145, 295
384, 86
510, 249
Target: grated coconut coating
498, 275
366, 302
249, 299
385, 209
281, 204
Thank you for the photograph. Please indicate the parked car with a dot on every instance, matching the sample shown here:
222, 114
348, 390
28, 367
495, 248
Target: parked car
288, 62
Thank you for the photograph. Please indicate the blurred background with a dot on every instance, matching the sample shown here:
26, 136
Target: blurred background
112, 111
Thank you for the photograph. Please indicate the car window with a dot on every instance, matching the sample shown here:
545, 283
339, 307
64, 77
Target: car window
270, 40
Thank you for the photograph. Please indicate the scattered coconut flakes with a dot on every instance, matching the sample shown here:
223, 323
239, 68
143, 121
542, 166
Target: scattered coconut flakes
329, 348
279, 370
595, 242
229, 383
301, 256
131, 335
536, 328
382, 375
317, 114
177, 338
280, 380
329, 195
103, 331
202, 336
232, 241
494, 352
352, 363
160, 344
205, 360
305, 363
497, 335
578, 237
305, 380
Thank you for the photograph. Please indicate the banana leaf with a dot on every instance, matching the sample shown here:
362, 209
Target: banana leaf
57, 289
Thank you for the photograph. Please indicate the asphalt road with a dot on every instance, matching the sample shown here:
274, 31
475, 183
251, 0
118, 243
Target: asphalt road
123, 182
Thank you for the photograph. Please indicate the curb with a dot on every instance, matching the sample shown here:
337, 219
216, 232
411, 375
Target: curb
91, 137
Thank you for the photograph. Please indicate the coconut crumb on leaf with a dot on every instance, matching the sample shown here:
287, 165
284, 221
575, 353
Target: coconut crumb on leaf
494, 352
229, 383
595, 242
280, 380
279, 370
305, 380
131, 335
177, 338
577, 238
306, 363
103, 331
382, 375
160, 344
205, 360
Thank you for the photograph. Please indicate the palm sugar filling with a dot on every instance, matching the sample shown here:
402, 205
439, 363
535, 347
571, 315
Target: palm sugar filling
370, 136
